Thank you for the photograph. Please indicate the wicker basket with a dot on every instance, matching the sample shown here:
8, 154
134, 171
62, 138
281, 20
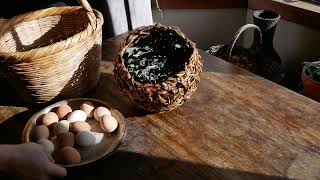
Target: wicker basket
52, 53
170, 92
242, 57
2, 21
253, 59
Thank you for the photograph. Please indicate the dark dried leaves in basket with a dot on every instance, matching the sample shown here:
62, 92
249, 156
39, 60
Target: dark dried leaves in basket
158, 68
312, 69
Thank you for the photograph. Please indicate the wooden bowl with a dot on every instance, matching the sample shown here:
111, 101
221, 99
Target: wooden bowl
106, 143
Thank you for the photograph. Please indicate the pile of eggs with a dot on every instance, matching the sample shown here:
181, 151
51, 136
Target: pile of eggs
60, 132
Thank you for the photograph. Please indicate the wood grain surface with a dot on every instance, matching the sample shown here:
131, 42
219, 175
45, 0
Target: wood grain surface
236, 126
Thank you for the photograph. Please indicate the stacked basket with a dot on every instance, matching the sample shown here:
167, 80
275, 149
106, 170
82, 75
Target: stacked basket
52, 53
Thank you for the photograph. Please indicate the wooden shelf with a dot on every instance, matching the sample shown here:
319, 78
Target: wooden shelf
299, 12
202, 4
309, 6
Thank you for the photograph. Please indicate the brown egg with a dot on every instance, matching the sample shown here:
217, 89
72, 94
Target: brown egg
61, 127
40, 120
88, 108
63, 111
47, 145
69, 155
85, 139
66, 139
100, 112
79, 126
50, 119
41, 132
108, 123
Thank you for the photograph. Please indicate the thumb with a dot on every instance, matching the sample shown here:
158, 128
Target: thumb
56, 171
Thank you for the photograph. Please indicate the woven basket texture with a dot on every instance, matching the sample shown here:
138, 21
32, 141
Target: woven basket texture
168, 94
52, 54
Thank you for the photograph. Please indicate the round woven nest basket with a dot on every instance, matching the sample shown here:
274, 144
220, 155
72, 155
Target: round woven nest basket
52, 54
158, 92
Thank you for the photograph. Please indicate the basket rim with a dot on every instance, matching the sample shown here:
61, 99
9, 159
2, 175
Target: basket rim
129, 40
53, 11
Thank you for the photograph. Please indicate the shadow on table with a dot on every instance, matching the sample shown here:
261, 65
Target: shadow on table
11, 129
8, 97
108, 91
128, 165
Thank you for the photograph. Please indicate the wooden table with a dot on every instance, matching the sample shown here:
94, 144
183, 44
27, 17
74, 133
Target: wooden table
236, 126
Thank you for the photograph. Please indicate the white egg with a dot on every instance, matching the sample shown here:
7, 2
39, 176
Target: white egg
61, 127
47, 145
77, 115
85, 139
99, 112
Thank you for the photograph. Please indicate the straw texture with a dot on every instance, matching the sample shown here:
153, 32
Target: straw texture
52, 53
164, 96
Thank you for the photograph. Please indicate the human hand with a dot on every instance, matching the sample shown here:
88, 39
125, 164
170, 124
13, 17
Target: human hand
29, 161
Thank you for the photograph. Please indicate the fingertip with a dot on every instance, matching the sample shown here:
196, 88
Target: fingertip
57, 171
64, 171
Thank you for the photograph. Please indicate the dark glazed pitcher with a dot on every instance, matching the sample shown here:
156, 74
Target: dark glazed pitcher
270, 62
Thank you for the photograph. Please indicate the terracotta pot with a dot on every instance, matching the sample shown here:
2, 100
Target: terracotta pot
311, 87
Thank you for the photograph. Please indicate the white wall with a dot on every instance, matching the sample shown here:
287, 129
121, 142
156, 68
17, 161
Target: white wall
294, 43
206, 27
